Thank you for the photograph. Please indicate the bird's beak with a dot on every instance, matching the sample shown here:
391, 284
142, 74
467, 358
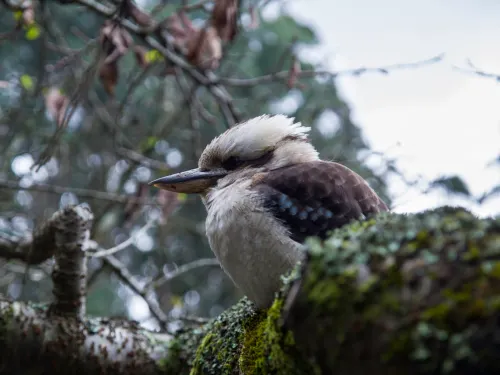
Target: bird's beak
193, 181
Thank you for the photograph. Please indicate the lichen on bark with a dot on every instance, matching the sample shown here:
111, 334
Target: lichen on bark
408, 294
396, 294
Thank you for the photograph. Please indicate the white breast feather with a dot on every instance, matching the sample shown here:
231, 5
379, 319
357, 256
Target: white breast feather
252, 247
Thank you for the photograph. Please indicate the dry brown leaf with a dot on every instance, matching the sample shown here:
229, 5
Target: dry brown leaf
28, 15
204, 49
56, 104
140, 53
108, 74
254, 18
181, 28
114, 40
140, 17
293, 74
224, 19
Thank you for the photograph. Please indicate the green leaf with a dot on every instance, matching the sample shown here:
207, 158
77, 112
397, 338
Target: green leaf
148, 143
153, 56
18, 14
26, 82
33, 32
453, 184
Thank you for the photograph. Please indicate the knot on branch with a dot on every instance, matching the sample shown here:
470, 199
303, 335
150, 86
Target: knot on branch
72, 225
72, 235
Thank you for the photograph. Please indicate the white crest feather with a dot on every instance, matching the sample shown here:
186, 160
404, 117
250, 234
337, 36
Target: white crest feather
251, 138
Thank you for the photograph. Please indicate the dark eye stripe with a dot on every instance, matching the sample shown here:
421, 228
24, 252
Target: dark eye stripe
234, 162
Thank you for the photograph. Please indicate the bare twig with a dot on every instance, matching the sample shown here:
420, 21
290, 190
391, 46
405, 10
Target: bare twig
282, 75
123, 245
473, 69
208, 79
124, 274
205, 262
194, 319
83, 193
78, 93
146, 291
141, 159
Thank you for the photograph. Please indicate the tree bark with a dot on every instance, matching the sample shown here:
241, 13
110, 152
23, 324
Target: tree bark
399, 294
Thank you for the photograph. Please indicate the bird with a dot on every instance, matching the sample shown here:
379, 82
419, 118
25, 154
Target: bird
266, 191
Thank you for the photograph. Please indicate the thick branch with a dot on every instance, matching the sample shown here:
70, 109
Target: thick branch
42, 244
31, 340
399, 294
71, 240
425, 302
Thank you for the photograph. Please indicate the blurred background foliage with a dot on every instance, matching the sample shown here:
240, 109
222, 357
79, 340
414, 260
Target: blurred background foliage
155, 119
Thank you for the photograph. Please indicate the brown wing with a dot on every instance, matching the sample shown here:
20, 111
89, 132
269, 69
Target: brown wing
313, 198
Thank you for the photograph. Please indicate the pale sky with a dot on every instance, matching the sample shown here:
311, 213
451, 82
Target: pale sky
434, 119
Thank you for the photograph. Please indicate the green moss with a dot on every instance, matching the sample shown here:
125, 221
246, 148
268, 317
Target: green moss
240, 341
268, 348
397, 294
218, 343
404, 286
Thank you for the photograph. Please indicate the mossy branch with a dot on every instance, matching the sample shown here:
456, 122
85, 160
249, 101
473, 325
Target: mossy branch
398, 294
36, 342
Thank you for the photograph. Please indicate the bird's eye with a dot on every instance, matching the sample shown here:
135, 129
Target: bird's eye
232, 163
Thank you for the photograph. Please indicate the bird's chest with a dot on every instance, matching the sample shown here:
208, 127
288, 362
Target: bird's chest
252, 247
230, 227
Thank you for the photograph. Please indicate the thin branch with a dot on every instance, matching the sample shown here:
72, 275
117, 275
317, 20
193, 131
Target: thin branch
79, 92
123, 245
141, 159
124, 274
83, 193
189, 95
145, 291
194, 319
208, 79
472, 69
204, 262
282, 75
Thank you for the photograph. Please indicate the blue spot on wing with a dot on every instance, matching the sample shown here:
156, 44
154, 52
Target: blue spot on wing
303, 220
311, 199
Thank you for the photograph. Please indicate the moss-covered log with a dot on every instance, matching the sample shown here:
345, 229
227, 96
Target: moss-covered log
415, 294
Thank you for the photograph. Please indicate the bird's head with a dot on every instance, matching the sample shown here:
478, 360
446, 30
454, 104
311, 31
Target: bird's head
259, 144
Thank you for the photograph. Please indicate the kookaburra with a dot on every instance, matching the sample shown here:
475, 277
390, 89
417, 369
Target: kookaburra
266, 190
